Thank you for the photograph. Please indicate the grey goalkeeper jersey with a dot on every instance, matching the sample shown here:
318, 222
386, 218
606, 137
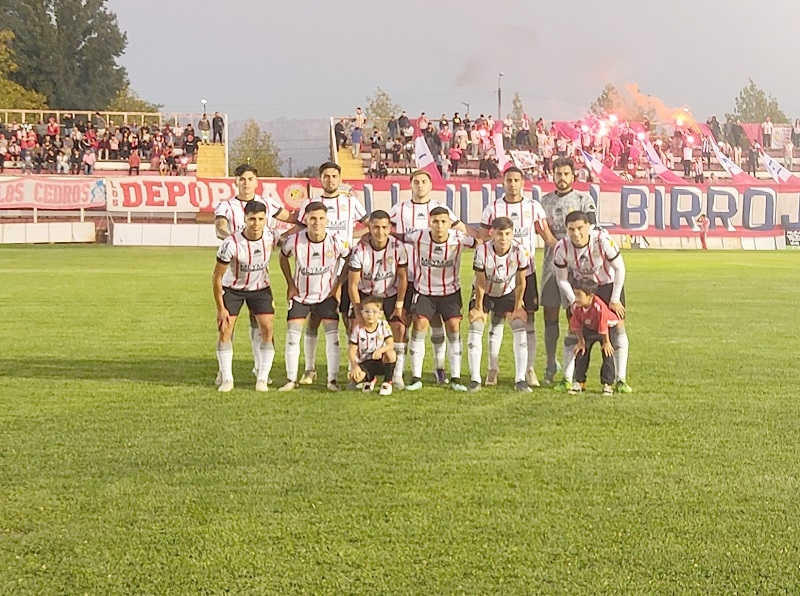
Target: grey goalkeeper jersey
557, 207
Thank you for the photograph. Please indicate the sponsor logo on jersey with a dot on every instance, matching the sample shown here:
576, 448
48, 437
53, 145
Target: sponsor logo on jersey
308, 271
439, 263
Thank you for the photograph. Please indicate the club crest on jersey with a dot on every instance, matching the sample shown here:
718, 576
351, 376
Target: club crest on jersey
389, 260
328, 254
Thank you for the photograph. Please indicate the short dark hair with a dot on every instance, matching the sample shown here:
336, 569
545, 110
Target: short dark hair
372, 300
245, 167
330, 164
315, 206
586, 285
511, 170
561, 162
379, 214
254, 207
502, 223
439, 211
416, 173
576, 216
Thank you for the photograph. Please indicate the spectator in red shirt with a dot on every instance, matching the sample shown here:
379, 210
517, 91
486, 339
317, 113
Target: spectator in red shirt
590, 320
134, 162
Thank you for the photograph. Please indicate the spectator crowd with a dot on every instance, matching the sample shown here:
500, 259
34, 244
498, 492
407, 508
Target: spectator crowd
75, 145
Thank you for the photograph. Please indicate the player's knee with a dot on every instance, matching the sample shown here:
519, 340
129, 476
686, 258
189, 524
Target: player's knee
551, 315
390, 356
420, 324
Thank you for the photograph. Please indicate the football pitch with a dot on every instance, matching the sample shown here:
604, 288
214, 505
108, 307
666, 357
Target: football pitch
123, 470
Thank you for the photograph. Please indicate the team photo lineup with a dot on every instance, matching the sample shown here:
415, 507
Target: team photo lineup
393, 277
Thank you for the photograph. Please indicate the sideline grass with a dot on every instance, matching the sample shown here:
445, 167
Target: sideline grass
122, 470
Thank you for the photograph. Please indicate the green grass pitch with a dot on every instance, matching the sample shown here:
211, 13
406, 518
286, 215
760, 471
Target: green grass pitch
123, 471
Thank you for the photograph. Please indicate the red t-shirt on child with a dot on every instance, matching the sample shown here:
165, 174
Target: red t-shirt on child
597, 316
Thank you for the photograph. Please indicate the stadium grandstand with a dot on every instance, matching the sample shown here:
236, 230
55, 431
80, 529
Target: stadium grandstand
605, 148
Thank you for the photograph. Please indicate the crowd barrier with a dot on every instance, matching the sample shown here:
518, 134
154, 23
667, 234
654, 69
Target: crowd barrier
763, 216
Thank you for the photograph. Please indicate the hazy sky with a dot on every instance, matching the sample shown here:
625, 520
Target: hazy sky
311, 59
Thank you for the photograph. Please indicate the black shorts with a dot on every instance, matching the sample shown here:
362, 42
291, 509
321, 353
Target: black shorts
531, 298
411, 291
327, 309
259, 302
500, 306
604, 293
447, 307
374, 368
388, 307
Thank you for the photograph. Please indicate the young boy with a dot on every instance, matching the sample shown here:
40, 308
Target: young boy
372, 348
590, 321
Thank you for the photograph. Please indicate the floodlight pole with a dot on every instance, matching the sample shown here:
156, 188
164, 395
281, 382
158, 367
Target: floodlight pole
499, 97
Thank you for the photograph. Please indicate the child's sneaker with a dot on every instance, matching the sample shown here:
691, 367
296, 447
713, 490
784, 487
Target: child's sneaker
368, 386
562, 386
386, 389
576, 389
623, 387
608, 390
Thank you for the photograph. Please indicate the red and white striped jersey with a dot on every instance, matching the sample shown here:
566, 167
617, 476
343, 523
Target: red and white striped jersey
527, 215
344, 212
501, 270
436, 270
592, 261
247, 261
407, 216
378, 267
233, 210
316, 264
369, 341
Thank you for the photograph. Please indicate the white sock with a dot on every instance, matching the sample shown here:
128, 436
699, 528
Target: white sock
400, 349
496, 329
225, 360
454, 343
521, 351
255, 342
621, 354
310, 348
417, 348
292, 351
475, 350
266, 356
530, 331
332, 354
439, 347
569, 356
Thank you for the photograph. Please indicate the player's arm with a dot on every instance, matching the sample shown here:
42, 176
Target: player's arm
543, 229
286, 216
353, 279
576, 327
352, 355
286, 269
358, 233
388, 344
480, 291
402, 287
223, 316
221, 227
519, 295
562, 279
615, 303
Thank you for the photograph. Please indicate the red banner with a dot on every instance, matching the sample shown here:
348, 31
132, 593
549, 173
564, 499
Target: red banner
47, 192
192, 195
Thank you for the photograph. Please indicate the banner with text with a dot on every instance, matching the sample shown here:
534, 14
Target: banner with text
48, 192
193, 195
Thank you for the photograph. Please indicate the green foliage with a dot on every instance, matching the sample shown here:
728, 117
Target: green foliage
124, 471
754, 104
255, 147
379, 109
66, 50
517, 109
308, 172
127, 100
11, 93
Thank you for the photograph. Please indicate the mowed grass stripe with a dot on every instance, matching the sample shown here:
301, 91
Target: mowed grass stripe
123, 471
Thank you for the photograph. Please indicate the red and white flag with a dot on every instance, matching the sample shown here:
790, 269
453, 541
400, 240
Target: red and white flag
503, 163
423, 157
604, 173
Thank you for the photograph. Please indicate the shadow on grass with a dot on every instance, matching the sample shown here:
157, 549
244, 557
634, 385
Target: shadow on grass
177, 371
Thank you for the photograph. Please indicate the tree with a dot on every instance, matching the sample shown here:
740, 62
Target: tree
307, 172
612, 101
517, 109
380, 108
256, 148
12, 94
127, 100
66, 50
754, 105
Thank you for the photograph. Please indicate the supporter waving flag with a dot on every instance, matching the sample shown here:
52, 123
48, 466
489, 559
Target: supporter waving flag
503, 163
662, 171
738, 174
603, 172
423, 157
779, 174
